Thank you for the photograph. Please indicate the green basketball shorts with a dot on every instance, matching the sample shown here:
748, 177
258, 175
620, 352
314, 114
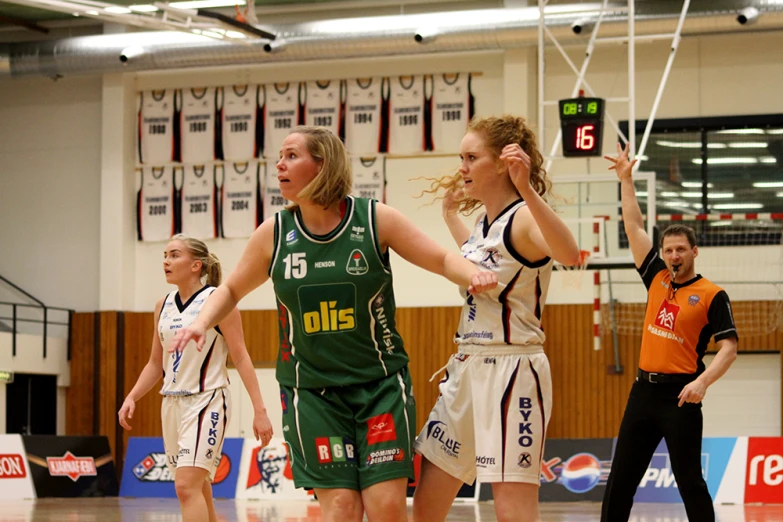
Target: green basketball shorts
350, 436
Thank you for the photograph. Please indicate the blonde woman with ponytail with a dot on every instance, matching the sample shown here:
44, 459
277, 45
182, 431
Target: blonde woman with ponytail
491, 416
196, 405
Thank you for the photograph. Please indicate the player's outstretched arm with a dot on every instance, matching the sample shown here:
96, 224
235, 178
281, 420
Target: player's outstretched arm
149, 376
249, 274
401, 235
640, 242
231, 327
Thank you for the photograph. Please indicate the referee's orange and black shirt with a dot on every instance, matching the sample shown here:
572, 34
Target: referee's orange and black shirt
680, 319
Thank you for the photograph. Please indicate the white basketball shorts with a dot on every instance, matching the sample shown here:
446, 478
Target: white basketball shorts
193, 429
491, 417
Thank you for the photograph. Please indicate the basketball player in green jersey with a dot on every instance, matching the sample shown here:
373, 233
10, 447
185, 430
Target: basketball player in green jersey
348, 411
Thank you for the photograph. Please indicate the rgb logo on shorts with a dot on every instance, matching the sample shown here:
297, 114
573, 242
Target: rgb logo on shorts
334, 449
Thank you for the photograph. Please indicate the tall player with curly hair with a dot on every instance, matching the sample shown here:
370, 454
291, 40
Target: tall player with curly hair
495, 401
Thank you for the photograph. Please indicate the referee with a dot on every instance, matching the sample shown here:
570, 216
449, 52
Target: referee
684, 311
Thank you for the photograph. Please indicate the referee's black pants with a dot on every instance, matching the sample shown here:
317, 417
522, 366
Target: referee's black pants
651, 414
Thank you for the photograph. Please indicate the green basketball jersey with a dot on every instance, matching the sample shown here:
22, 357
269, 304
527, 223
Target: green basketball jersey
335, 302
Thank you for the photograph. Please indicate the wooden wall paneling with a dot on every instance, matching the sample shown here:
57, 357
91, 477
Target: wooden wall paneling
428, 336
79, 396
139, 329
107, 368
587, 401
261, 336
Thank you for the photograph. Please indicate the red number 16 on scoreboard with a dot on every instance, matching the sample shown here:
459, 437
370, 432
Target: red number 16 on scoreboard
585, 140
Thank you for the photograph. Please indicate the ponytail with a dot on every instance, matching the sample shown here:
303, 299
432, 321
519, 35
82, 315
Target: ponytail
213, 270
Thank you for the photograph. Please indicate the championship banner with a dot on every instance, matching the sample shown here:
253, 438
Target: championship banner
575, 470
16, 481
147, 475
71, 466
266, 472
659, 485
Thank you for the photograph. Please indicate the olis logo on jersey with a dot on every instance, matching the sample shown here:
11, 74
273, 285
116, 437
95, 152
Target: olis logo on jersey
332, 314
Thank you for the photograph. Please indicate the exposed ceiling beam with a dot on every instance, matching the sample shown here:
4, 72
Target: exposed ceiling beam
12, 20
196, 21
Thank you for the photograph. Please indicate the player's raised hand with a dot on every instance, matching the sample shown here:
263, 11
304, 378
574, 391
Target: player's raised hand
126, 412
482, 281
621, 164
518, 163
195, 332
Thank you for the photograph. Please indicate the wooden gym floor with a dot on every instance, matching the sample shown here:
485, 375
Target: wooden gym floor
167, 510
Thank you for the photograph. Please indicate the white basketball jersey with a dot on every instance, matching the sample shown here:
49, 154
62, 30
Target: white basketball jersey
281, 115
238, 117
451, 111
510, 313
198, 196
197, 119
406, 115
274, 201
364, 99
190, 371
369, 177
156, 127
239, 201
155, 204
323, 105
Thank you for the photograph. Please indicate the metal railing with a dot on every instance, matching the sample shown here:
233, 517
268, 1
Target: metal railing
15, 318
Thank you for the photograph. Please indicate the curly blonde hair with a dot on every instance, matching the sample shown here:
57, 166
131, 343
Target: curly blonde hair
497, 131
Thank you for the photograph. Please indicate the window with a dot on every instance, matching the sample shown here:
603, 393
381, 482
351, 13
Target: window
723, 165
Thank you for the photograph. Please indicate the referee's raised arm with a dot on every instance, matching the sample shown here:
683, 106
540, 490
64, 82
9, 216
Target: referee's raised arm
640, 242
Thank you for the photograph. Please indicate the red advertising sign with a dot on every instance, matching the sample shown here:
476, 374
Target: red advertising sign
764, 472
12, 466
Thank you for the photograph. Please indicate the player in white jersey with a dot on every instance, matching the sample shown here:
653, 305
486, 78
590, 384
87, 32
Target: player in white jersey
323, 105
451, 107
281, 114
198, 201
196, 406
156, 127
273, 199
239, 201
197, 124
364, 116
369, 177
406, 115
155, 220
239, 118
495, 401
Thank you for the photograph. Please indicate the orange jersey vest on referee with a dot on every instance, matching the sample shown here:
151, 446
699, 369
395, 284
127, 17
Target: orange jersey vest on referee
676, 325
